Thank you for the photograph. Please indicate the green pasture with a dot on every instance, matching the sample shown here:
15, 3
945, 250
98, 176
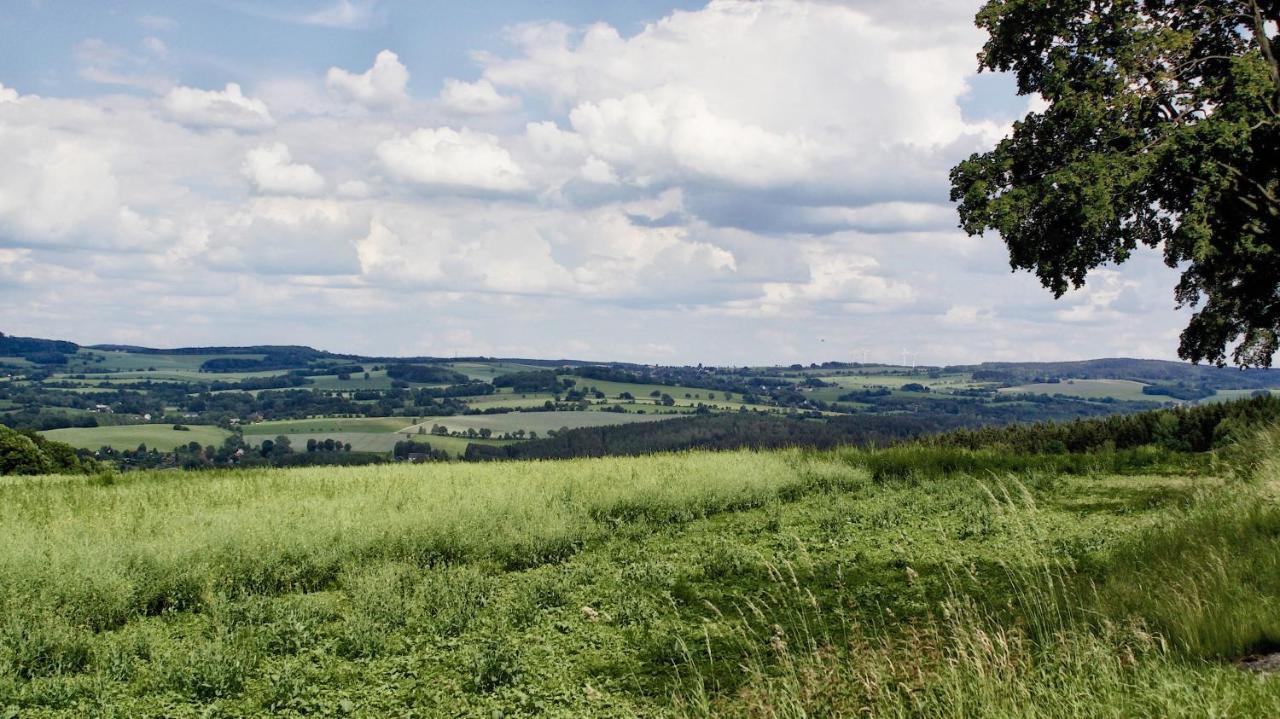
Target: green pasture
156, 436
129, 361
906, 583
383, 442
1227, 395
538, 422
363, 425
641, 391
486, 371
1088, 389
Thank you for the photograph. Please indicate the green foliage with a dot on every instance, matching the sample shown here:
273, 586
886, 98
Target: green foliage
23, 452
1161, 128
922, 580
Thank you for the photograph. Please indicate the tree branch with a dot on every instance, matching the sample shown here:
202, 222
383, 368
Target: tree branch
1264, 44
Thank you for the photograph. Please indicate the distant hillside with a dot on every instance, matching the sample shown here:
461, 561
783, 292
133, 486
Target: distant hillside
1139, 370
36, 350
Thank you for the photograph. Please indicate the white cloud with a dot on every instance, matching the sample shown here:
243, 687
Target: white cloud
229, 108
598, 171
352, 14
729, 184
288, 236
155, 46
474, 98
356, 189
668, 131
52, 189
447, 157
857, 108
271, 170
382, 84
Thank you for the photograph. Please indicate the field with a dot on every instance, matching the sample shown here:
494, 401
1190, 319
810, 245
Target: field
127, 361
156, 436
377, 441
1227, 395
909, 582
1088, 389
328, 424
380, 434
486, 371
539, 422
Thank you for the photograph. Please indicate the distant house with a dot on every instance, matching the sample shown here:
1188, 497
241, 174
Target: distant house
103, 408
418, 457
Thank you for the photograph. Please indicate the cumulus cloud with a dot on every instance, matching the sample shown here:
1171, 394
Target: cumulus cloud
383, 84
452, 158
857, 110
228, 107
271, 170
674, 132
288, 236
52, 189
474, 98
737, 181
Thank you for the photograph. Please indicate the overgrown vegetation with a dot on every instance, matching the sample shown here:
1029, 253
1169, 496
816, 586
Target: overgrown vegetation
29, 453
922, 580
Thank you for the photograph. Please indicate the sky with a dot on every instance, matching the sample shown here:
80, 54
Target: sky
725, 183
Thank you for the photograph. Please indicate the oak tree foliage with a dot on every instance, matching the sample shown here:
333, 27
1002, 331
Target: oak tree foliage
1161, 129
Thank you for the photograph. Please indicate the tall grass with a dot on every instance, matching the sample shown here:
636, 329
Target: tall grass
98, 555
274, 590
1147, 628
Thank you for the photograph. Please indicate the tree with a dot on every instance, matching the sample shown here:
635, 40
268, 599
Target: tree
1161, 128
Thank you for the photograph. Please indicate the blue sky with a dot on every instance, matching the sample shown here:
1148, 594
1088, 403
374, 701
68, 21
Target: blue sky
729, 182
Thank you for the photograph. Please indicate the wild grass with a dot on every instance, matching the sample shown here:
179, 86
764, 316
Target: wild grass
98, 555
1149, 627
905, 582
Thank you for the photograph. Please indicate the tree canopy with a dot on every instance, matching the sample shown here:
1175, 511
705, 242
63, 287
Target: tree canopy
1161, 128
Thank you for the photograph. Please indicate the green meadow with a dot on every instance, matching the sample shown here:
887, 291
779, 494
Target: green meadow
1087, 388
156, 436
922, 582
539, 422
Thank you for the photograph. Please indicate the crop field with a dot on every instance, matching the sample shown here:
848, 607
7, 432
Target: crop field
641, 391
328, 424
377, 380
1227, 395
508, 399
486, 371
538, 422
1087, 388
128, 361
178, 375
778, 584
359, 441
380, 442
156, 436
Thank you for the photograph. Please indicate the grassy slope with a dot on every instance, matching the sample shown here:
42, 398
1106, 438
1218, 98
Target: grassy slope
1088, 389
738, 584
538, 422
156, 436
328, 424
